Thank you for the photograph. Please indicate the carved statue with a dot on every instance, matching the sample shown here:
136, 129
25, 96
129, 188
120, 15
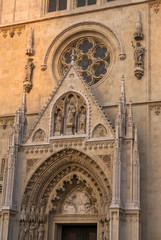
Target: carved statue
31, 231
138, 54
71, 112
106, 231
139, 60
23, 214
32, 214
41, 232
29, 70
23, 231
58, 123
41, 215
82, 121
101, 232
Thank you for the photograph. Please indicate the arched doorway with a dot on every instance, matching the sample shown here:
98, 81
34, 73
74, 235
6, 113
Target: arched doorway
68, 192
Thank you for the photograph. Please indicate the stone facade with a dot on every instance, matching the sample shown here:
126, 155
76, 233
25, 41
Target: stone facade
80, 119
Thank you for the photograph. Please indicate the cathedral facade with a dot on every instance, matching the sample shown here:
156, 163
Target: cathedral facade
80, 120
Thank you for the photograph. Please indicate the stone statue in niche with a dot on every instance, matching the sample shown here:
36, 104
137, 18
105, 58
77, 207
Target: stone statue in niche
41, 232
101, 232
78, 203
23, 214
23, 231
39, 136
100, 131
71, 116
29, 71
58, 123
106, 231
82, 121
32, 214
139, 51
32, 231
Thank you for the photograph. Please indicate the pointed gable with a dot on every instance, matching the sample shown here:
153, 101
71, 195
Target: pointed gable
73, 95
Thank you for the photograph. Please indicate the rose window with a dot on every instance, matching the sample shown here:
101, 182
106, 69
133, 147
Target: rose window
92, 57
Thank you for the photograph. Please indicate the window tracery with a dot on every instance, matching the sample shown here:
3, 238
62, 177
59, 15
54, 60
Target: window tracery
92, 57
69, 115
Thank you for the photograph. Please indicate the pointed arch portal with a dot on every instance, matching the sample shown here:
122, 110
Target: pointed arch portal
69, 187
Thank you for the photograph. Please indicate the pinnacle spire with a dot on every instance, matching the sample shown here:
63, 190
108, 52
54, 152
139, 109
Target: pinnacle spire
130, 111
122, 93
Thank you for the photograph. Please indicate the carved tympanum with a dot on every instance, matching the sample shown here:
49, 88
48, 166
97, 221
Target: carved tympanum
99, 131
69, 115
39, 136
78, 203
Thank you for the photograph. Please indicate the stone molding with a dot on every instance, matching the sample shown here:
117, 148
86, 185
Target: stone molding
122, 54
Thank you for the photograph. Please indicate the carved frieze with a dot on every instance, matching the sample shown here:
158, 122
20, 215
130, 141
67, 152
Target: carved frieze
12, 31
6, 122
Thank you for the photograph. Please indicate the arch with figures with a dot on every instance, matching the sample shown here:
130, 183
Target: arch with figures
68, 187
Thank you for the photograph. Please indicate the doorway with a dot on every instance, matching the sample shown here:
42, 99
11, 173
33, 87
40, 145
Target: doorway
79, 232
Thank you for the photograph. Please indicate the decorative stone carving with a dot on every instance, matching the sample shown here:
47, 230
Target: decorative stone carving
32, 231
78, 203
30, 163
12, 31
23, 214
41, 232
155, 5
32, 217
29, 72
139, 59
99, 131
69, 115
58, 123
106, 230
39, 136
22, 231
138, 35
157, 109
30, 48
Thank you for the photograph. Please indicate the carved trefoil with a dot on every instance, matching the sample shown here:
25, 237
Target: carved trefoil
69, 115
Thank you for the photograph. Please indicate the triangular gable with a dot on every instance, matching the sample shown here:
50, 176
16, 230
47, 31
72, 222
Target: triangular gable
97, 121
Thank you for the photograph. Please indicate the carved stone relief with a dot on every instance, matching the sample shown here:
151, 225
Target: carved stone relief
27, 83
30, 163
155, 5
12, 31
99, 131
139, 52
157, 109
78, 203
69, 115
39, 136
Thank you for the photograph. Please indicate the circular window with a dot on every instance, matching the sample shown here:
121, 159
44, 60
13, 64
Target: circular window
92, 56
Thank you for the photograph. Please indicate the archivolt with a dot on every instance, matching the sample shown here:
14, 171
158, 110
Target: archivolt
59, 170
